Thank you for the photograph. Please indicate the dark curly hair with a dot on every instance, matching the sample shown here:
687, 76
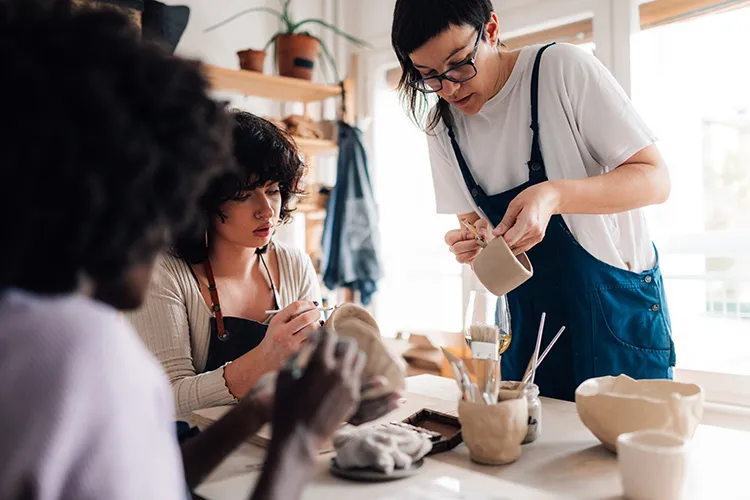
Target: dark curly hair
264, 153
108, 143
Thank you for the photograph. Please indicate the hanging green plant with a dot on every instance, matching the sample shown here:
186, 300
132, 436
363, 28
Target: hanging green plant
296, 49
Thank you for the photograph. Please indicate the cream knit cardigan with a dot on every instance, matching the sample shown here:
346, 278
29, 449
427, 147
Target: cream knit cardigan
173, 322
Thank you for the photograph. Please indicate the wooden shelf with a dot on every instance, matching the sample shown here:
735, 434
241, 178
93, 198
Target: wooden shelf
280, 88
311, 212
316, 146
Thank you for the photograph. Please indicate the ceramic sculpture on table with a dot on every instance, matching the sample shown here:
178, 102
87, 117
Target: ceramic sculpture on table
499, 270
353, 321
610, 406
494, 433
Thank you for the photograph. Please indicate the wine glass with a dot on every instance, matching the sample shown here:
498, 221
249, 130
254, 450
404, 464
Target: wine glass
485, 309
502, 320
487, 332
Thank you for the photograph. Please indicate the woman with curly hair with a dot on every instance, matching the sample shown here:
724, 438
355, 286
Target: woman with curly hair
100, 170
205, 316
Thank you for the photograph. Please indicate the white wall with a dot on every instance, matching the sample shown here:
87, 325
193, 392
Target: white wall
614, 20
253, 30
372, 18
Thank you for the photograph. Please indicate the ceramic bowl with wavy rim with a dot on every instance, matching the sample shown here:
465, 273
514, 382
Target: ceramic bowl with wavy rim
611, 406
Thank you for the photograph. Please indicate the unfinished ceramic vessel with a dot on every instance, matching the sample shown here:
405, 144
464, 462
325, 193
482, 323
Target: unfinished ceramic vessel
494, 433
350, 322
348, 310
499, 270
611, 406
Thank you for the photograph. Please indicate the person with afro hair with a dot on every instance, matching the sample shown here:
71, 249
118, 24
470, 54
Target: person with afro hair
108, 143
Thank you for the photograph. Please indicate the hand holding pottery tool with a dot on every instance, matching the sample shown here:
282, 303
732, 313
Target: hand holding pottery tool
319, 398
481, 241
376, 397
466, 242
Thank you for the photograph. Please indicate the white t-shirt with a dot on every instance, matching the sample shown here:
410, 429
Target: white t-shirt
588, 126
85, 410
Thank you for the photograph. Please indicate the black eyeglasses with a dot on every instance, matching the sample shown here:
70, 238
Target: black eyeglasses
457, 74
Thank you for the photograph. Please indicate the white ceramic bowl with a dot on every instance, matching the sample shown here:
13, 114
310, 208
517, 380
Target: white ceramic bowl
611, 406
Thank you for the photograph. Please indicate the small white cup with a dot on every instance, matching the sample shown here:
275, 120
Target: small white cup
652, 464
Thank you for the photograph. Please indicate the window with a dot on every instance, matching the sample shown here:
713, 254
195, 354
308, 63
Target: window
691, 82
422, 284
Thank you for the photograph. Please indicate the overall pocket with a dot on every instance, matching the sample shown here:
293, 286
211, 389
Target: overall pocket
631, 329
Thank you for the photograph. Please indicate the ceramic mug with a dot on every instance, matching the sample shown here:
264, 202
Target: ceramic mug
652, 464
499, 270
494, 433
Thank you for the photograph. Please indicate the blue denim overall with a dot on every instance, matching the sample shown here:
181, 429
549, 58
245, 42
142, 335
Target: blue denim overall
616, 321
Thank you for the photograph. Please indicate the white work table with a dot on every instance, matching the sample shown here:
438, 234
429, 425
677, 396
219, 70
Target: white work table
566, 462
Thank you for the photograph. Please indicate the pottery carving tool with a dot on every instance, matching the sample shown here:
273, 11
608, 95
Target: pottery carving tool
479, 238
321, 309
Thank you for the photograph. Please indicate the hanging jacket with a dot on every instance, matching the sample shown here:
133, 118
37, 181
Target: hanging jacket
351, 242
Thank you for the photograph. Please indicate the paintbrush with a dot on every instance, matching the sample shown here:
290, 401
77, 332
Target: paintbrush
535, 356
485, 347
544, 355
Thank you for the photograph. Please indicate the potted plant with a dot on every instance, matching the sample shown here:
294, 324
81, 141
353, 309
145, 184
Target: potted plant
252, 60
296, 49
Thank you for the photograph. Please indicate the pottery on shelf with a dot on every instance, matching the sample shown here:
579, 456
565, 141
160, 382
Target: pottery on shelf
499, 270
494, 433
353, 321
252, 60
611, 406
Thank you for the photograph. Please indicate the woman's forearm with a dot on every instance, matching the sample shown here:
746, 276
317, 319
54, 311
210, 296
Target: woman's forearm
242, 374
203, 453
643, 180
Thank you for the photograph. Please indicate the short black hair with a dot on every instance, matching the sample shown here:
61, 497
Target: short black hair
108, 143
263, 153
415, 22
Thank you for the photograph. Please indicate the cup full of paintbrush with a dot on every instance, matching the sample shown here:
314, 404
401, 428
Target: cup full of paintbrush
488, 335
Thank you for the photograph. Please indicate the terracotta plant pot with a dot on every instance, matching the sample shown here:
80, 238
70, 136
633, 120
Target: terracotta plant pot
296, 55
252, 60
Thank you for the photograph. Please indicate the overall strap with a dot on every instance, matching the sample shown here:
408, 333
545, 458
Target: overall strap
536, 163
215, 305
475, 190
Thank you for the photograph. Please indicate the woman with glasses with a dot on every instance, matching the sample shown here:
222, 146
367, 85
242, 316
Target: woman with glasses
542, 147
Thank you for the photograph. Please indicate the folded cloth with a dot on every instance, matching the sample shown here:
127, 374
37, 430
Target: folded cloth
383, 448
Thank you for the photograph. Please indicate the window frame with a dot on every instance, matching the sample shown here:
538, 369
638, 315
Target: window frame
720, 388
652, 14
